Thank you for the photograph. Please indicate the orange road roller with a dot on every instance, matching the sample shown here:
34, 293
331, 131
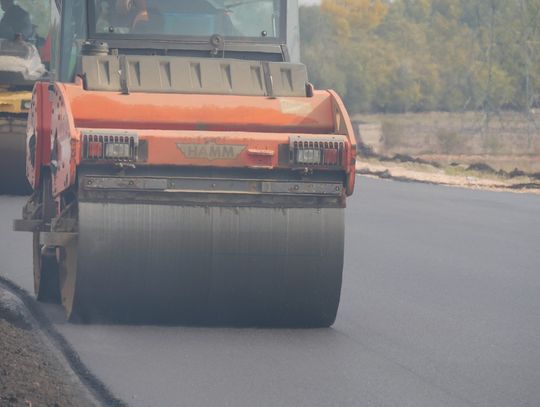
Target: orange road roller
184, 169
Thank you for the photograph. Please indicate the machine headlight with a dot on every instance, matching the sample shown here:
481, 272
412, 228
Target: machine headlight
117, 150
99, 146
317, 151
308, 156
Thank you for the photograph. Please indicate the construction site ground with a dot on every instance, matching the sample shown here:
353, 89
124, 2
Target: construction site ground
478, 176
459, 149
31, 372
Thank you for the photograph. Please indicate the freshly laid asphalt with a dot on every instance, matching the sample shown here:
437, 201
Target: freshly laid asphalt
440, 307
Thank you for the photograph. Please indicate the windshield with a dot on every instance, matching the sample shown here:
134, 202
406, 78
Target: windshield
192, 18
26, 18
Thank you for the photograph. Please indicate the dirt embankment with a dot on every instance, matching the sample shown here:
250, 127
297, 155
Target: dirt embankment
31, 374
469, 149
473, 177
504, 141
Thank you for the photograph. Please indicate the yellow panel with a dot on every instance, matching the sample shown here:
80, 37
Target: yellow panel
15, 102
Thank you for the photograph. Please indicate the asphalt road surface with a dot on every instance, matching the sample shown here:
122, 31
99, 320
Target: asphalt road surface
440, 307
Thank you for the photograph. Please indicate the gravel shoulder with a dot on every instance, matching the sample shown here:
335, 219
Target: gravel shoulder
32, 372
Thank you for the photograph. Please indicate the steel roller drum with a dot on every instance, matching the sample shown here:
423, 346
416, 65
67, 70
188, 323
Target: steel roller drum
151, 263
13, 156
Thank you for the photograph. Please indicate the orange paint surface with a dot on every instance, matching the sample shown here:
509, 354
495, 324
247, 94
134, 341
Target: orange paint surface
200, 112
194, 130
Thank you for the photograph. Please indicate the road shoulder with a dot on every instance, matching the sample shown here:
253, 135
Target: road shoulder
411, 171
33, 371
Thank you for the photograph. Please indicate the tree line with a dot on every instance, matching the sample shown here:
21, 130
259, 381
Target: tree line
425, 55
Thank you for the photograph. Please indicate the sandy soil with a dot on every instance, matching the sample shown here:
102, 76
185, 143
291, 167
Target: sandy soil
30, 373
446, 176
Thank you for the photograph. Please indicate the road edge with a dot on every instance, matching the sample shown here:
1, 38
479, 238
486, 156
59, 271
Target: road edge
97, 390
386, 174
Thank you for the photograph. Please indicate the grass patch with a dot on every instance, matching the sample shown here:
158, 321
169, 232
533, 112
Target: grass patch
450, 142
391, 134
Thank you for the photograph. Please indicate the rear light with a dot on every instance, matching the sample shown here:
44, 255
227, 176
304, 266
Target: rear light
308, 156
109, 147
26, 104
118, 150
317, 151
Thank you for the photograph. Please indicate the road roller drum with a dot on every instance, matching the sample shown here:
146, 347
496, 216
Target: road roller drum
12, 155
142, 263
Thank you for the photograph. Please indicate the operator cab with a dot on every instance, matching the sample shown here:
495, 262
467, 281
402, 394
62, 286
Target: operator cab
24, 49
189, 25
189, 18
178, 46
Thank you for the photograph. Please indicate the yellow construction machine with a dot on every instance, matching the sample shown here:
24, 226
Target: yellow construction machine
20, 68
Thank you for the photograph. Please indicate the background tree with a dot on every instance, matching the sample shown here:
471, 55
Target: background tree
421, 55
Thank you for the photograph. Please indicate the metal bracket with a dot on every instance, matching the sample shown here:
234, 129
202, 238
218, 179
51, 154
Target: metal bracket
58, 238
28, 225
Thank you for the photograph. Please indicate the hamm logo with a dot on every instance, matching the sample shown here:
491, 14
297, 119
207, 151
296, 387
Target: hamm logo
211, 151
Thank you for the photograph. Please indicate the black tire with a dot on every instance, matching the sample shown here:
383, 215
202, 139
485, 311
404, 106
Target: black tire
46, 280
46, 272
